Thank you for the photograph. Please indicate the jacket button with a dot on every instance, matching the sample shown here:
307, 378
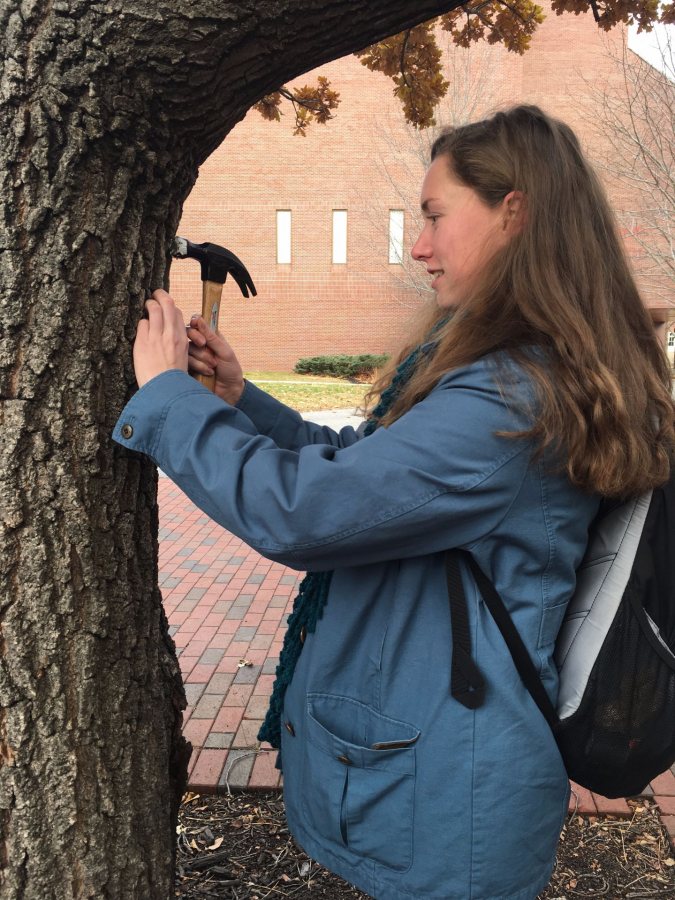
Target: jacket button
127, 431
344, 759
303, 634
289, 728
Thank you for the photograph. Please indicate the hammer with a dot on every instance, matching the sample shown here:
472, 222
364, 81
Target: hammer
216, 263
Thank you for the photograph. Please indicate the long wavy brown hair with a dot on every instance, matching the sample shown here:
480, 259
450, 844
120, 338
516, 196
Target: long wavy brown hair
563, 289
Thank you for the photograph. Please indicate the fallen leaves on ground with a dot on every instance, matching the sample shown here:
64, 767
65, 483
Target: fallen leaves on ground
237, 847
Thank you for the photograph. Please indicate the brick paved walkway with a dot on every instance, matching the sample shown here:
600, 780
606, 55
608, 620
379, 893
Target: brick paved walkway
227, 608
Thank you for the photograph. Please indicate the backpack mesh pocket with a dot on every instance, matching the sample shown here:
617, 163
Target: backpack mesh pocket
623, 733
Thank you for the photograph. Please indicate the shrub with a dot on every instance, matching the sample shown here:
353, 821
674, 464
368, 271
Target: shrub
341, 366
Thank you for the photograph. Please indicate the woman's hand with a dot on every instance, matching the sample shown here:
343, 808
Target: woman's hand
161, 342
210, 353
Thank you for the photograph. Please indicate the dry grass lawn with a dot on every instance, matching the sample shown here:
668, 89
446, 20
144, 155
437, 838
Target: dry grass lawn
310, 392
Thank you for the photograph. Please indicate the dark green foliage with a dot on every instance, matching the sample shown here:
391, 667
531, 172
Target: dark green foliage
341, 366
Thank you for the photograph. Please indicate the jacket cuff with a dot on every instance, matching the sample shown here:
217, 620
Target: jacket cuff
140, 424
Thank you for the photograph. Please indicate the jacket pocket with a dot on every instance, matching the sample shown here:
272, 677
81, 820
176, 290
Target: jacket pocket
360, 779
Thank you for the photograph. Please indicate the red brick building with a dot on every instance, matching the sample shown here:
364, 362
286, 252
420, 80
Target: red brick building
317, 220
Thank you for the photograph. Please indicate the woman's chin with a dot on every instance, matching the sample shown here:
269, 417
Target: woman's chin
444, 302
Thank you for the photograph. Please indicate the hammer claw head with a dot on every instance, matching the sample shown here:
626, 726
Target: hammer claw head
216, 263
239, 272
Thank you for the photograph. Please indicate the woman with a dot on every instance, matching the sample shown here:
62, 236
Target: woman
534, 386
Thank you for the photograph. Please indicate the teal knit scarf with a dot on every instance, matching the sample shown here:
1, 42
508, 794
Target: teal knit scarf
313, 593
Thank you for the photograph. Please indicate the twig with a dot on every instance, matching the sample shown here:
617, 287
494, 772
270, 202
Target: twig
234, 763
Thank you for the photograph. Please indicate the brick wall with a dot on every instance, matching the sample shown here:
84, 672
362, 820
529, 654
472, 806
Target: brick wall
367, 162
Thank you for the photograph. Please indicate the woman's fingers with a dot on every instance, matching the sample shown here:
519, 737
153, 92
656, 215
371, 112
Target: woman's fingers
210, 354
208, 335
155, 316
198, 367
195, 335
162, 296
195, 347
172, 316
164, 317
169, 324
161, 342
142, 330
204, 345
198, 348
201, 358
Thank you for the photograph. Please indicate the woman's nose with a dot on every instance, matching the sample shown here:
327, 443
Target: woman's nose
420, 249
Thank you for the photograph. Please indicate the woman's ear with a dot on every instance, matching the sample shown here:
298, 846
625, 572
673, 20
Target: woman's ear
514, 209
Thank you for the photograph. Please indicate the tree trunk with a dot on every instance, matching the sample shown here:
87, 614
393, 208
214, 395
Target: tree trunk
106, 112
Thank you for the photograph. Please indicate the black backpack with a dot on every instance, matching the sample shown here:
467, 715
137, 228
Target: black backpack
615, 652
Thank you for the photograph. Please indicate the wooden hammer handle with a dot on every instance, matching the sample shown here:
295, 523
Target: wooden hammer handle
211, 294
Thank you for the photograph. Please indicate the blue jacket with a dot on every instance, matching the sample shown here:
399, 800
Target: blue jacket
388, 781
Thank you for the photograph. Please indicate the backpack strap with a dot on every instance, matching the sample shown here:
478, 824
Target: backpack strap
467, 685
521, 658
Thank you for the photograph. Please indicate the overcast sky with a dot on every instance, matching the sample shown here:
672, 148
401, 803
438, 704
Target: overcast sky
656, 47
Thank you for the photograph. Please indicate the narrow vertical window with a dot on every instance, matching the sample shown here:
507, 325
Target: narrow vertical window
396, 236
283, 235
339, 235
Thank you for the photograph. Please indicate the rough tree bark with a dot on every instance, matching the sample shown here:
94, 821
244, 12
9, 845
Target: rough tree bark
107, 109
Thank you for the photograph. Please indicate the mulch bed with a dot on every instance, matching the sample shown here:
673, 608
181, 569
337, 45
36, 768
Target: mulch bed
237, 847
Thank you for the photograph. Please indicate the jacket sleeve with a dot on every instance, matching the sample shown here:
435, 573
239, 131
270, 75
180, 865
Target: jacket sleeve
438, 477
285, 426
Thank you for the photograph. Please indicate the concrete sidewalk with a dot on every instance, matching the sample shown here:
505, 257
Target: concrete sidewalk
227, 607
